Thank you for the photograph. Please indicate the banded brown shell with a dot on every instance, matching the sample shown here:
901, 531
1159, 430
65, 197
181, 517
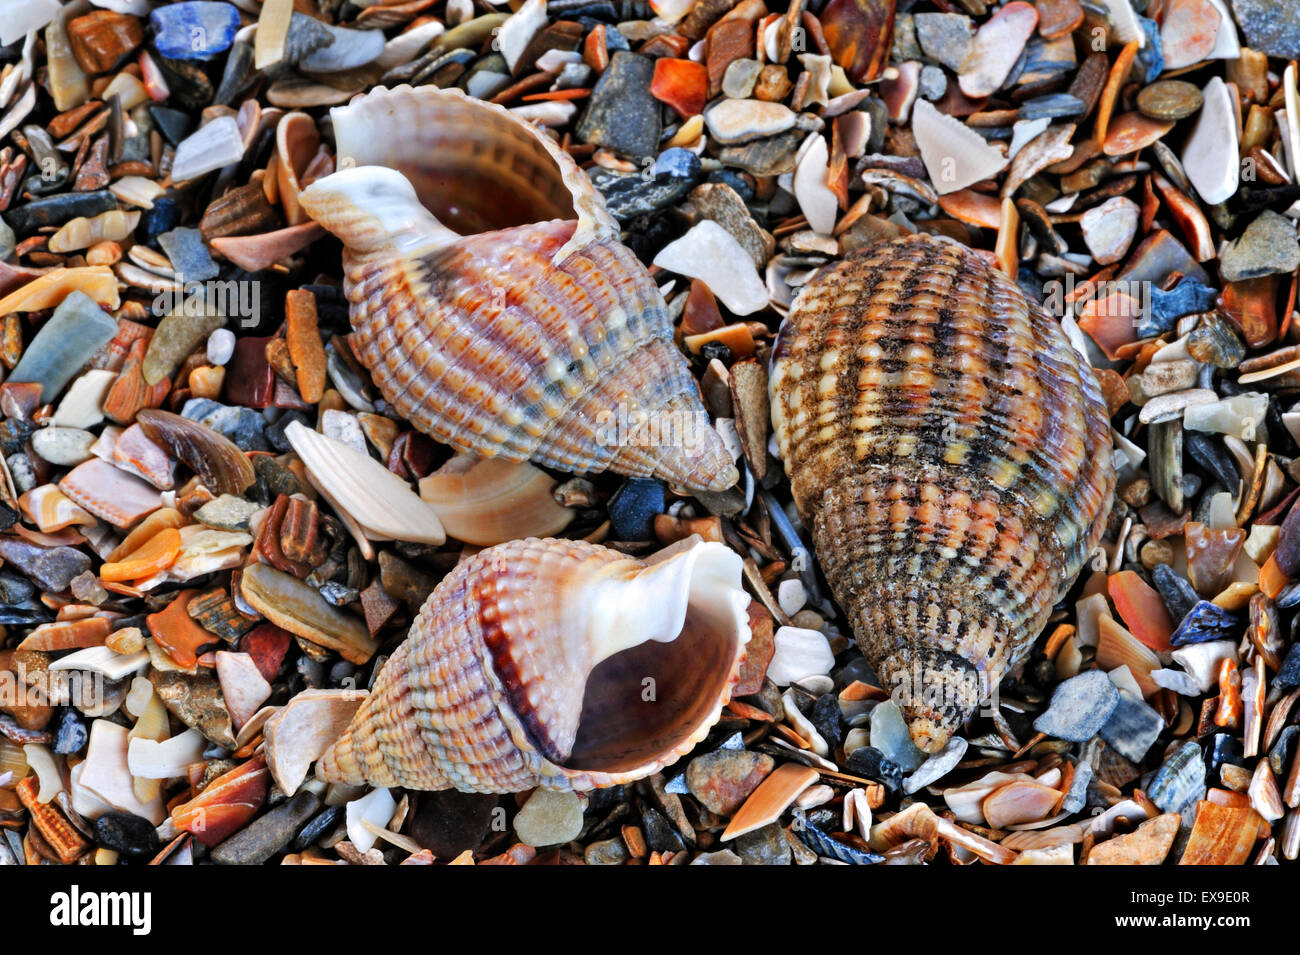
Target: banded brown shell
553, 663
492, 300
951, 452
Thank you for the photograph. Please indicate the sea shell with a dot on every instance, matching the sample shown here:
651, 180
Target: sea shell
553, 663
950, 451
536, 334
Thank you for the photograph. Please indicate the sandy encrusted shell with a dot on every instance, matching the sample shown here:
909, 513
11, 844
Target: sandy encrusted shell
537, 335
951, 453
553, 663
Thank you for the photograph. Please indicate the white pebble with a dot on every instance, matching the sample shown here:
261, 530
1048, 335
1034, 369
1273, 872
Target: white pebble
791, 596
221, 346
799, 653
376, 807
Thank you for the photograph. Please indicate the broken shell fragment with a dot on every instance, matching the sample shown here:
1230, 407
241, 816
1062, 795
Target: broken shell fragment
491, 501
527, 665
380, 502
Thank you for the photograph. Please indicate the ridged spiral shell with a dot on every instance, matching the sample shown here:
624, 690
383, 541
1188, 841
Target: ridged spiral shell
541, 338
553, 663
950, 450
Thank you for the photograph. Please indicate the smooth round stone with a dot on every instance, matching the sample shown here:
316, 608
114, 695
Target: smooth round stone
65, 447
221, 346
1169, 100
127, 834
549, 818
740, 77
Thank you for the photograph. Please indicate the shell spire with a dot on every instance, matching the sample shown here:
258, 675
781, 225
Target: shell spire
553, 663
492, 300
951, 452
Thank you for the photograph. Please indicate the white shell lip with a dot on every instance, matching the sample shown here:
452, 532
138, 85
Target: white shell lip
692, 591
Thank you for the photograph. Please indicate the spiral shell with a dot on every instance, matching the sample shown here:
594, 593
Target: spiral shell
951, 452
535, 335
553, 663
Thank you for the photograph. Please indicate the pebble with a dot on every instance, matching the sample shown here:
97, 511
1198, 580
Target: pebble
871, 763
741, 76
946, 38
1165, 376
889, 734
792, 596
57, 210
798, 653
65, 447
1108, 229
127, 834
733, 121
188, 253
195, 29
1270, 26
613, 852
722, 857
77, 329
549, 818
1169, 100
765, 846
721, 202
1267, 247
1210, 157
723, 779
268, 834
710, 253
196, 701
220, 346
1188, 32
214, 145
997, 46
933, 83
102, 38
622, 115
73, 734
633, 508
1080, 707
449, 822
350, 49
50, 568
1131, 728
1215, 342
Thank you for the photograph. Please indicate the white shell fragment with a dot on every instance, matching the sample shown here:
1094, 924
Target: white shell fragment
214, 145
816, 200
710, 253
955, 155
1211, 156
381, 503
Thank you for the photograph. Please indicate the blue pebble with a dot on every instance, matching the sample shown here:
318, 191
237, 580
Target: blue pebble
677, 163
1151, 56
1185, 298
195, 29
163, 217
632, 510
1205, 622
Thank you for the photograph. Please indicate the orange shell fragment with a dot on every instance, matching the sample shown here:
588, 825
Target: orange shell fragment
154, 556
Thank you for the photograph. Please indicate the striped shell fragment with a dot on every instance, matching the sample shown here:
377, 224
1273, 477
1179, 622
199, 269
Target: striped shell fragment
950, 451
